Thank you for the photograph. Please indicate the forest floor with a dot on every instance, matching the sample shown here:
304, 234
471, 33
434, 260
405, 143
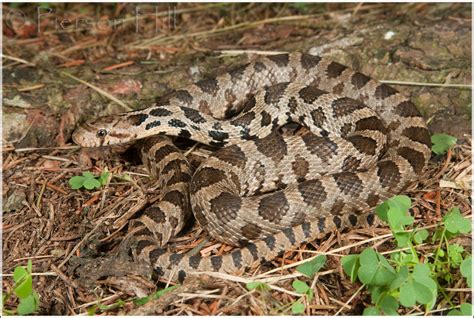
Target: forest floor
77, 61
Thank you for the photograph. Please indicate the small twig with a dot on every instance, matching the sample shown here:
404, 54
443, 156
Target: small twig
99, 90
258, 52
30, 88
33, 149
349, 300
116, 66
33, 274
16, 59
65, 279
446, 85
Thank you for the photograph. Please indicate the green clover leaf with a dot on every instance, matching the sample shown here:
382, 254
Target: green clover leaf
312, 267
441, 143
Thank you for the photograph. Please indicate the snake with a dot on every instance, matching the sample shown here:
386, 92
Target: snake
264, 189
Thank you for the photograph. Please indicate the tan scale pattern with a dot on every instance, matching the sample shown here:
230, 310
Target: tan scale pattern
267, 191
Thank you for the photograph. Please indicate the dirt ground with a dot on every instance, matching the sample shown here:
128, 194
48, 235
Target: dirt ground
67, 63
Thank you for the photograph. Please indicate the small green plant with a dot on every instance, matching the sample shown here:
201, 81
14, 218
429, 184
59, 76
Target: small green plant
464, 310
441, 143
257, 286
89, 181
139, 301
402, 279
23, 290
309, 269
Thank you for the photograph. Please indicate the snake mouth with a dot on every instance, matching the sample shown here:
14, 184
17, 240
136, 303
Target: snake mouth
84, 137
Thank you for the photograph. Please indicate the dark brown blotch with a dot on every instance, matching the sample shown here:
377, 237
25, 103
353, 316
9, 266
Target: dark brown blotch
176, 198
335, 69
407, 109
309, 61
345, 106
318, 117
176, 123
272, 146
233, 155
313, 192
349, 183
237, 258
194, 115
290, 235
249, 103
216, 262
359, 80
194, 261
273, 207
370, 219
275, 92
310, 93
337, 207
155, 213
152, 124
337, 221
251, 231
280, 59
373, 199
137, 119
160, 112
209, 86
226, 207
266, 119
352, 219
415, 158
204, 107
351, 163
270, 242
243, 120
175, 258
388, 173
156, 253
323, 147
300, 167
206, 177
322, 224
306, 227
364, 144
259, 67
418, 134
292, 104
383, 91
184, 96
370, 123
346, 129
237, 73
252, 248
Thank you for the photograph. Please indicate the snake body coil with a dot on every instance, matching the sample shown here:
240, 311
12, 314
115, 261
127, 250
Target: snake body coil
264, 190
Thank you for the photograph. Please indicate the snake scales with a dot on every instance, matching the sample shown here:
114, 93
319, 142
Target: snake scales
267, 190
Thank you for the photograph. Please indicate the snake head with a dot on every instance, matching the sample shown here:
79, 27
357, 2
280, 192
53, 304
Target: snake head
104, 131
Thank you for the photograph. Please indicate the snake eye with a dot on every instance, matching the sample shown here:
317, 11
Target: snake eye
101, 133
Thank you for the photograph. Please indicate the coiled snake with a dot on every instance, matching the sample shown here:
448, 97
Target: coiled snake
265, 190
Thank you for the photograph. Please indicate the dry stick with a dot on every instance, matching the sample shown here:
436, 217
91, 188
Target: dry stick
161, 39
244, 25
242, 280
16, 59
349, 300
46, 148
446, 85
86, 237
99, 90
